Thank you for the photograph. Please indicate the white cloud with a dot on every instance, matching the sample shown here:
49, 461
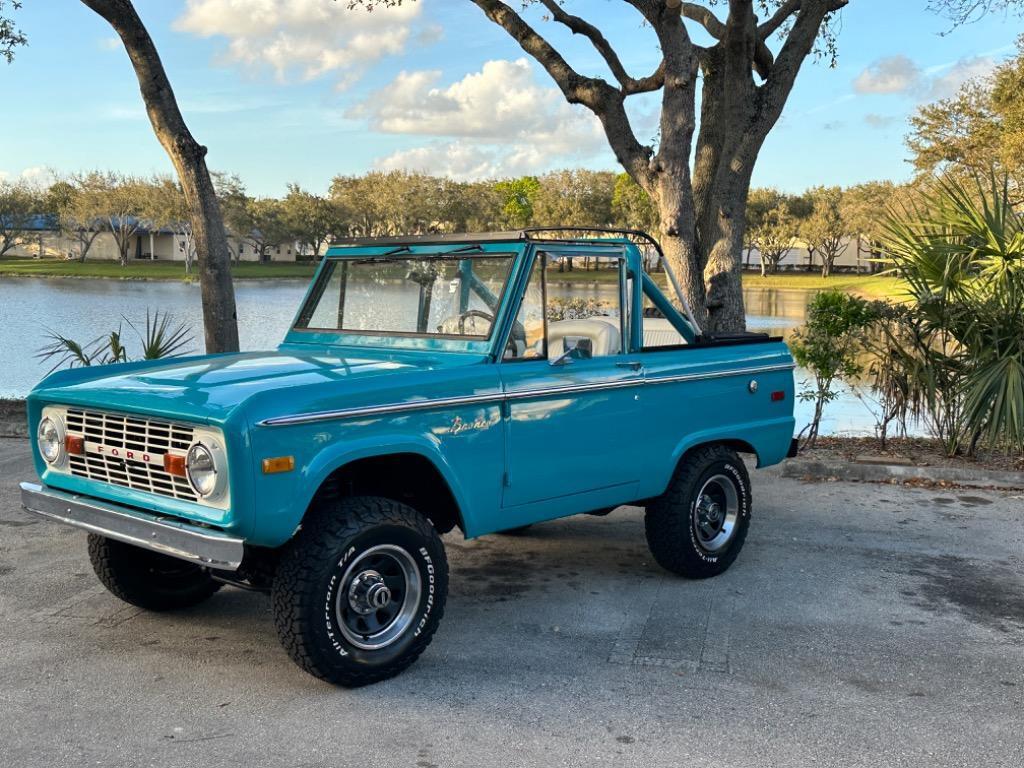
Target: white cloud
946, 84
311, 38
899, 75
112, 43
502, 120
880, 121
465, 160
430, 35
892, 74
35, 175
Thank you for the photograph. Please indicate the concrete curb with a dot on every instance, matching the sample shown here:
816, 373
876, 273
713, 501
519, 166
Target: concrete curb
897, 473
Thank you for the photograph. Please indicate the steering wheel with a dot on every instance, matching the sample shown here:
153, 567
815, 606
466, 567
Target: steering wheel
473, 313
518, 330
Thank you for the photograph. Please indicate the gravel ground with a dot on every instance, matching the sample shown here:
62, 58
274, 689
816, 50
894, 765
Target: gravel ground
863, 625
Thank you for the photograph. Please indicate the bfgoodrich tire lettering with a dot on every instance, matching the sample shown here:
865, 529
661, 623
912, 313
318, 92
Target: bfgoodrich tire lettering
697, 527
341, 596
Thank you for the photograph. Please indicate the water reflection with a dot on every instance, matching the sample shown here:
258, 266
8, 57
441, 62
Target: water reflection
86, 309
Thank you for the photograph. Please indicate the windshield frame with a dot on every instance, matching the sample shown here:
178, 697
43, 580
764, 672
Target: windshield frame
406, 339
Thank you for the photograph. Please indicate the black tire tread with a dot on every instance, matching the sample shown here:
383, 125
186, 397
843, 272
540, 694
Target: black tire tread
667, 519
324, 533
108, 562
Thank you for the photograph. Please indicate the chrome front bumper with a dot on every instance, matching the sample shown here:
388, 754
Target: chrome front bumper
168, 536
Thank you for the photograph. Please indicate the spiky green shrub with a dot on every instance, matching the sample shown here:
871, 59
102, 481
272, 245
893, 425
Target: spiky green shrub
161, 337
960, 250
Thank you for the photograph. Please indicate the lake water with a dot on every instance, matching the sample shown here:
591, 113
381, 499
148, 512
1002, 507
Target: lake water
86, 309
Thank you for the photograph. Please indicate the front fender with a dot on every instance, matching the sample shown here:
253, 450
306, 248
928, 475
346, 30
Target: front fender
285, 498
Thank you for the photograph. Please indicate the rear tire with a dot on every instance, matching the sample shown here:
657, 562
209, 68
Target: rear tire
360, 591
697, 527
148, 579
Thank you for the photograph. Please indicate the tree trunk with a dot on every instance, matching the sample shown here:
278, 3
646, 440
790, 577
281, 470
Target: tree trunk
723, 273
675, 212
189, 159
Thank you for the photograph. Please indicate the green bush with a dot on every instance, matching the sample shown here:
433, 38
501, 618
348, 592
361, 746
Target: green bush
831, 347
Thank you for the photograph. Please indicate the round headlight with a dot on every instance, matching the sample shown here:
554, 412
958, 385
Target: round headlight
50, 440
201, 469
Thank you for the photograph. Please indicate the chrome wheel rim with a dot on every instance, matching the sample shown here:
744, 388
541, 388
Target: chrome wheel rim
716, 512
378, 598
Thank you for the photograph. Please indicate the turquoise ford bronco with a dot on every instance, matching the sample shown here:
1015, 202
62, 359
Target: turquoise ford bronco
426, 384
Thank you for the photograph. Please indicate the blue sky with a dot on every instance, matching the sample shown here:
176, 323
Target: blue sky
301, 90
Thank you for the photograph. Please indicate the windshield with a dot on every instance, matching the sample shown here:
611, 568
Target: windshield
441, 296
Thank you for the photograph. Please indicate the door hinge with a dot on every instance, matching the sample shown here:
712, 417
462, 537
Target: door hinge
506, 480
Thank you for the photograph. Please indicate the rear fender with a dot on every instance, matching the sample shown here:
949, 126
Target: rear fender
768, 440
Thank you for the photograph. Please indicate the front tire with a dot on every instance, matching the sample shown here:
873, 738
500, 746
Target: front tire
697, 527
360, 591
147, 579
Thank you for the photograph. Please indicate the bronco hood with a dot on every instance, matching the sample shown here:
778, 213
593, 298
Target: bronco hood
209, 388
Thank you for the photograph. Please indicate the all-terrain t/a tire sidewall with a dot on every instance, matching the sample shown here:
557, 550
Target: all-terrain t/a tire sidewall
312, 573
424, 618
733, 468
671, 533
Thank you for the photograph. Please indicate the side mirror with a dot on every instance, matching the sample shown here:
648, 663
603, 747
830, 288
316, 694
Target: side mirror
576, 348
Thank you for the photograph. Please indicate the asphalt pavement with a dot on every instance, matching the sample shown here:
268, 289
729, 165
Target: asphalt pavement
863, 625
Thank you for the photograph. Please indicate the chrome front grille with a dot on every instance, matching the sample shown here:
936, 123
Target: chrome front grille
128, 451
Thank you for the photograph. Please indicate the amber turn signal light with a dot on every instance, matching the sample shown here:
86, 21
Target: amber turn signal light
278, 464
74, 444
174, 465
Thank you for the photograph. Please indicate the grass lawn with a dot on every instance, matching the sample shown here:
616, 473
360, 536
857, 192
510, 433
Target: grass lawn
869, 286
146, 270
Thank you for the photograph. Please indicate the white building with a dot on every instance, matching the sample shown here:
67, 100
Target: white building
44, 239
855, 258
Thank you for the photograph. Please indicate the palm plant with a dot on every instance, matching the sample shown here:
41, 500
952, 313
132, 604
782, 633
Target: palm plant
960, 250
161, 338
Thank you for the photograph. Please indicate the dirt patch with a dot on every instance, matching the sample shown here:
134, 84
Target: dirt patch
918, 452
982, 593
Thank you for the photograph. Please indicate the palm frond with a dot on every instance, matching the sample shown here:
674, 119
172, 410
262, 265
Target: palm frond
162, 339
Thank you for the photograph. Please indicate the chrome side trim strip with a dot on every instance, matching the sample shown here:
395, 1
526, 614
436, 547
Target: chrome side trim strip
511, 395
376, 410
570, 389
201, 546
719, 374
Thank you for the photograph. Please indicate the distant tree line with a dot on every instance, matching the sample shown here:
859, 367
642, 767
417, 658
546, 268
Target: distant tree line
375, 204
825, 220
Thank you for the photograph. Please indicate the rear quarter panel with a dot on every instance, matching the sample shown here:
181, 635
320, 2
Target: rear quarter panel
699, 395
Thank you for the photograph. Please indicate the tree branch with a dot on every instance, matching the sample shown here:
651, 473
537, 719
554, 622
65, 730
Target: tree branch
703, 16
799, 43
601, 98
784, 11
578, 26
